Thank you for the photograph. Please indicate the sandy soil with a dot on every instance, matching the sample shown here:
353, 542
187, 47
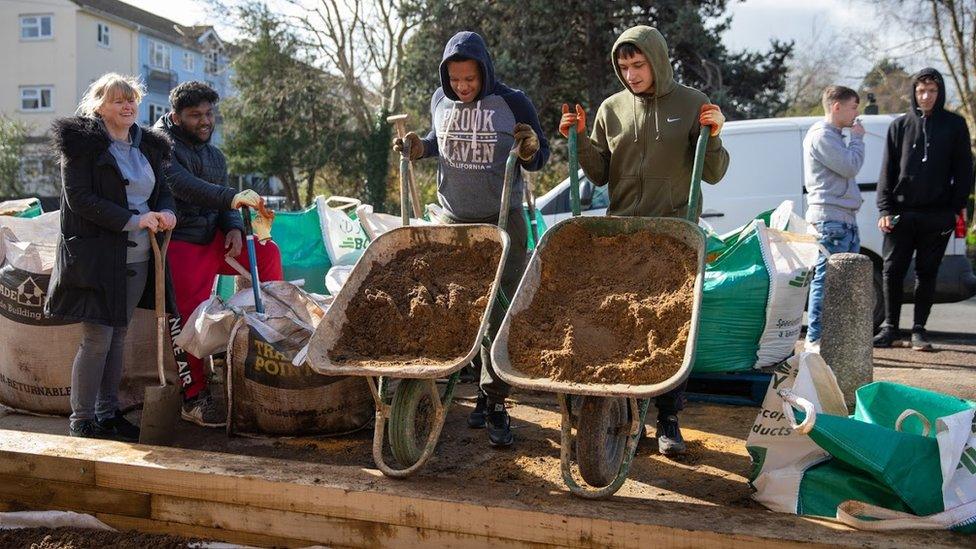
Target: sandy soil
81, 538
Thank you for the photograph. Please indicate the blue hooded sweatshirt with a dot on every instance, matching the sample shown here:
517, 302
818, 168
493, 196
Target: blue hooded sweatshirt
472, 140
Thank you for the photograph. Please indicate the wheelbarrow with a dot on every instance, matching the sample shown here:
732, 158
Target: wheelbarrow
610, 418
414, 414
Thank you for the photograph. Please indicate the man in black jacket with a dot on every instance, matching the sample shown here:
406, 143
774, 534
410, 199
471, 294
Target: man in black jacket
926, 178
209, 227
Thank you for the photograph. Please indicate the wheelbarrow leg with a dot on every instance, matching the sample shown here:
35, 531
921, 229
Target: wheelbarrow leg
399, 431
638, 411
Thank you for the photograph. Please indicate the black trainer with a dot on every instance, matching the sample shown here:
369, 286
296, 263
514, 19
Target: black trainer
920, 339
120, 428
88, 428
669, 439
203, 410
478, 416
885, 338
499, 425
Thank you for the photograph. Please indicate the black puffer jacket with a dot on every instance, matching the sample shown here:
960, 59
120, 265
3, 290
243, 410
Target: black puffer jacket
927, 166
198, 179
88, 281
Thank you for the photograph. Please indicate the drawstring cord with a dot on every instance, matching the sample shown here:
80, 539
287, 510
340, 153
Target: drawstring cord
657, 127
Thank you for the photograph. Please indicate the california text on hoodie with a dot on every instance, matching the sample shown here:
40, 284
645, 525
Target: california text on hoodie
927, 166
643, 146
472, 140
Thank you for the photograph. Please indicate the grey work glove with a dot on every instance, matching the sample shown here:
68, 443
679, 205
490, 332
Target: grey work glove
528, 141
416, 145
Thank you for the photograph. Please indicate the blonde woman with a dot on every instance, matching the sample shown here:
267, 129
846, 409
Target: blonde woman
113, 198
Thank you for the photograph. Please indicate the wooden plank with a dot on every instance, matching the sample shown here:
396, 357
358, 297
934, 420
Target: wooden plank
79, 471
319, 529
52, 494
489, 522
120, 522
358, 494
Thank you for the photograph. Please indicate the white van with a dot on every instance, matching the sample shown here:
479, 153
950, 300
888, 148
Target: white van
766, 168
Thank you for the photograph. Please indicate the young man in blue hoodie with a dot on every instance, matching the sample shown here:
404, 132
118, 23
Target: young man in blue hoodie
476, 120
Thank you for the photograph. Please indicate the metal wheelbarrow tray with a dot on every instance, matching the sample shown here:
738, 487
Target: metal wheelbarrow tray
417, 409
378, 255
684, 231
610, 419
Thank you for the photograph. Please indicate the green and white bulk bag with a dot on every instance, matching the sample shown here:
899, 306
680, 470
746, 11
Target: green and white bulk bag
753, 295
344, 237
905, 459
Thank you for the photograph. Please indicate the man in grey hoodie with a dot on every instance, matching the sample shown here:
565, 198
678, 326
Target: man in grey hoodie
829, 167
476, 120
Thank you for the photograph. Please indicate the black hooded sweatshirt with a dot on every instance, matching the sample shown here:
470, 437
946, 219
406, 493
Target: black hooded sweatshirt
928, 165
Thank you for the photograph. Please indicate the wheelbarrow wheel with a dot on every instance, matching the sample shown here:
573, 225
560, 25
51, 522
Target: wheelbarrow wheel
411, 420
601, 438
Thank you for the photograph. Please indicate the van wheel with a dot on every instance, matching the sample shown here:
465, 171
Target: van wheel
879, 307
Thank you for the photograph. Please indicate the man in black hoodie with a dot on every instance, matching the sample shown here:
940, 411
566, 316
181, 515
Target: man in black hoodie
926, 178
209, 228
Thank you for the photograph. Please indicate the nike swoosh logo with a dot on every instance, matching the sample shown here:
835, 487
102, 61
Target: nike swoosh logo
673, 120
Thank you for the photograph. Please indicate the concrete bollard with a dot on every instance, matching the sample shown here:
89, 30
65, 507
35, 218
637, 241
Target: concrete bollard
847, 321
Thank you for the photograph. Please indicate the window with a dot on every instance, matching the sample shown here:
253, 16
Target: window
36, 98
210, 61
156, 111
103, 37
31, 168
188, 64
36, 27
159, 55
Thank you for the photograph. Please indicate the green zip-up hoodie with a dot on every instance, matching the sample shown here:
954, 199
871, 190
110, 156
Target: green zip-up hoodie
643, 146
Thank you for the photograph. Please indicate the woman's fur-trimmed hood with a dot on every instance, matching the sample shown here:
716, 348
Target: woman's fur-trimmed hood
75, 136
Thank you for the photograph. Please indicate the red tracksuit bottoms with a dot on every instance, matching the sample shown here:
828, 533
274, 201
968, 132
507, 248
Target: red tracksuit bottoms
193, 268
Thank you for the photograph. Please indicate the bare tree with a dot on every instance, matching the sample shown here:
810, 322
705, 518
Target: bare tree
947, 29
818, 61
363, 41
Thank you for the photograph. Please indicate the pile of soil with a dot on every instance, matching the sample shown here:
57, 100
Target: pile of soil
609, 309
83, 538
423, 306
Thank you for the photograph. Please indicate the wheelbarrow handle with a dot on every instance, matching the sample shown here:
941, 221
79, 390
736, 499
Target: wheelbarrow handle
510, 166
252, 259
694, 193
405, 183
574, 195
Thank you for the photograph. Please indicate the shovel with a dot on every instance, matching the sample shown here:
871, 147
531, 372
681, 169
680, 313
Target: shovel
161, 404
252, 259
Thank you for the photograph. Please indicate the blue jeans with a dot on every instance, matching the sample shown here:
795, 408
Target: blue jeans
837, 237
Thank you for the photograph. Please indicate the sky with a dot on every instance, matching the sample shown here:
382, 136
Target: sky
751, 26
754, 22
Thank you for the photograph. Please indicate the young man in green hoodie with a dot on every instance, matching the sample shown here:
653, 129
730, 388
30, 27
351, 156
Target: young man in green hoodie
643, 147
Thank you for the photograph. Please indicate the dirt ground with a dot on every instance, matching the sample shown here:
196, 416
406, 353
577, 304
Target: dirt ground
81, 538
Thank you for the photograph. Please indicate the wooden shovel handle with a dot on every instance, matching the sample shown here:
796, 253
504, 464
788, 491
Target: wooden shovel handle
159, 255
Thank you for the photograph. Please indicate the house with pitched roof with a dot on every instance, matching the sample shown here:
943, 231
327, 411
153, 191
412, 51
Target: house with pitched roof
53, 50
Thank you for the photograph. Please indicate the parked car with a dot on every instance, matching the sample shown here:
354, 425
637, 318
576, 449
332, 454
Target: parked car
766, 168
